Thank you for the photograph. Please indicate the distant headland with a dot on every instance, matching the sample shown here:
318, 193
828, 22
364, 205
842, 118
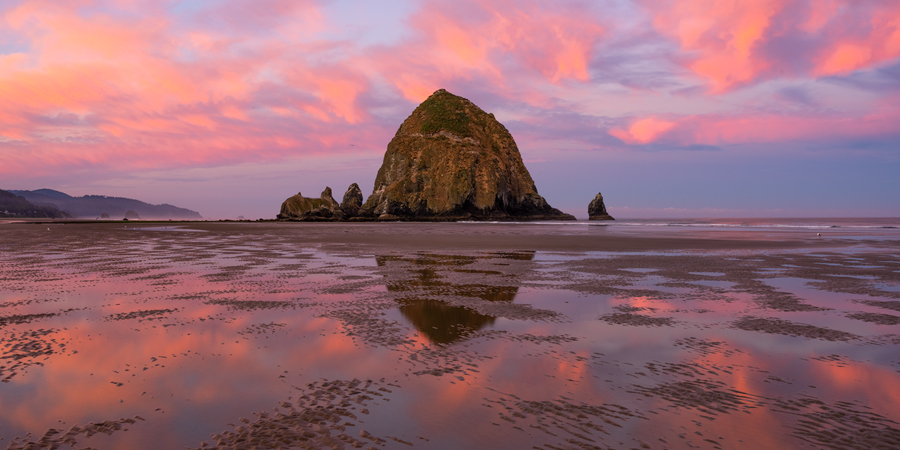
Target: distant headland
448, 161
15, 206
49, 203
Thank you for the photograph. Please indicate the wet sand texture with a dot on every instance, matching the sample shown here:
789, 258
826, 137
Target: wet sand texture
443, 336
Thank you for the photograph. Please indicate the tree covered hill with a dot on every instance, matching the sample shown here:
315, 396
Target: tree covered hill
93, 206
12, 205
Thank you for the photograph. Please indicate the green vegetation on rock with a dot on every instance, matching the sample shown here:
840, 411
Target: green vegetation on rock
444, 111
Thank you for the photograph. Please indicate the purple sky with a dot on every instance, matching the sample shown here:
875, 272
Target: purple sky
693, 108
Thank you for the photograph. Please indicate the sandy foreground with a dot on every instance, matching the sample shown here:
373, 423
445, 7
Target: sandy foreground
548, 336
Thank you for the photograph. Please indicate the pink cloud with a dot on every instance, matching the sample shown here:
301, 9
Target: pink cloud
732, 44
493, 40
643, 131
117, 86
149, 93
762, 127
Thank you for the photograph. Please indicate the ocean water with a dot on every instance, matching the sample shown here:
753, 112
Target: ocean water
826, 223
800, 224
779, 229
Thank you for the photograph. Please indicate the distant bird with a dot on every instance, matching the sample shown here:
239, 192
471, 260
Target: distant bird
818, 234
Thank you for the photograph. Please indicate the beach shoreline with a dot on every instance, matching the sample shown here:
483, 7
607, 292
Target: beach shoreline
377, 334
539, 236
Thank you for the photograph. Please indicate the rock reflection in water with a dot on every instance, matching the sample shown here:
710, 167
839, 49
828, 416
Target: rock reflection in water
440, 321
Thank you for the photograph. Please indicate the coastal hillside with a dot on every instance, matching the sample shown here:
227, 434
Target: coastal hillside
12, 205
93, 206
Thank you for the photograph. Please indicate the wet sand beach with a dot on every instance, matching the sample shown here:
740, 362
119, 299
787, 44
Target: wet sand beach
448, 335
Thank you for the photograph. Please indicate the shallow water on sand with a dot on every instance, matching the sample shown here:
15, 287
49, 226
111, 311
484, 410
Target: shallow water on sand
254, 337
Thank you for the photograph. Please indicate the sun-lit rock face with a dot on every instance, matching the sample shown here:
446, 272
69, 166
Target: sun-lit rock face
450, 160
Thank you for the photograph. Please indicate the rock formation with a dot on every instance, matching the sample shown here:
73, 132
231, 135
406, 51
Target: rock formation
131, 215
104, 216
597, 210
353, 200
324, 208
449, 161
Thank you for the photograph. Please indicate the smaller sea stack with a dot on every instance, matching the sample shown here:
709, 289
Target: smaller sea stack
322, 209
353, 200
597, 210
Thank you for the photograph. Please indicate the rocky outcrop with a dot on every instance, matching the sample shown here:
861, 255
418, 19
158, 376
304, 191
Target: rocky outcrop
353, 200
452, 161
597, 210
131, 215
324, 208
104, 216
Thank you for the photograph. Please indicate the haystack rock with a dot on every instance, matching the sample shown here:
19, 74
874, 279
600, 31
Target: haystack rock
353, 200
597, 210
324, 208
104, 216
452, 161
131, 215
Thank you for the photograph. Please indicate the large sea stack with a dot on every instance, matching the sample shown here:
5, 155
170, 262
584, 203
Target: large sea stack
452, 161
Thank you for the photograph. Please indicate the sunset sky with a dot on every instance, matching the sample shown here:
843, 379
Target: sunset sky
691, 108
